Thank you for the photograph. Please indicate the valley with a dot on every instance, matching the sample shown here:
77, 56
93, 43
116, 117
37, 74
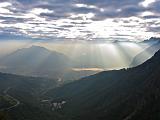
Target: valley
38, 61
79, 59
99, 96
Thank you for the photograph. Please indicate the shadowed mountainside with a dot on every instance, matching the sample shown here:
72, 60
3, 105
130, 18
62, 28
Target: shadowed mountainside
127, 94
114, 95
20, 97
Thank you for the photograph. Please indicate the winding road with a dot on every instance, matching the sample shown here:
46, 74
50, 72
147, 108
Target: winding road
5, 92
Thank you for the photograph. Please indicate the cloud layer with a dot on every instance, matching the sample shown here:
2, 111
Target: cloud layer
79, 19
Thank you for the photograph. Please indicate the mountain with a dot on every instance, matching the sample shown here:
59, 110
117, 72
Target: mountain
146, 53
35, 61
126, 94
40, 62
151, 40
20, 97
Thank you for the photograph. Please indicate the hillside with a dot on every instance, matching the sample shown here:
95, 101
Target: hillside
114, 95
20, 97
127, 94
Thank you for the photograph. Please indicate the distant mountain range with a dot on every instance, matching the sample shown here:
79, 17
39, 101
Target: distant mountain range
35, 61
151, 40
147, 53
127, 94
41, 62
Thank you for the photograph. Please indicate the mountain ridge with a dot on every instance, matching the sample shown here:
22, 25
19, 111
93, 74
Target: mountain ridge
114, 94
146, 54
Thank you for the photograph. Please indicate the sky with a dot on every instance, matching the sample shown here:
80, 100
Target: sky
79, 20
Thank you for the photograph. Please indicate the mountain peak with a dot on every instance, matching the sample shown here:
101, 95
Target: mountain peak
37, 47
154, 38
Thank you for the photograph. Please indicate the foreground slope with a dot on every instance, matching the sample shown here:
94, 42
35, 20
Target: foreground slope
131, 94
20, 97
